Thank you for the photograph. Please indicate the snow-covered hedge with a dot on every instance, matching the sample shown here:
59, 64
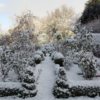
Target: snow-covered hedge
48, 47
58, 58
63, 89
29, 83
37, 59
39, 52
88, 65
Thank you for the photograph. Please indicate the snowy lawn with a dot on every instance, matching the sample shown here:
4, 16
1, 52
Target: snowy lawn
74, 79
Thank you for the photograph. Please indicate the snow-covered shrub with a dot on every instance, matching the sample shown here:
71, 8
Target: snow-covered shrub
23, 43
53, 54
39, 52
49, 48
57, 69
5, 63
37, 59
44, 51
84, 39
58, 58
98, 65
67, 62
29, 83
61, 87
76, 56
31, 62
88, 65
84, 91
69, 44
58, 36
96, 49
11, 92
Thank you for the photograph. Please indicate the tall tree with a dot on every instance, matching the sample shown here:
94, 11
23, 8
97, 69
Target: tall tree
91, 11
59, 20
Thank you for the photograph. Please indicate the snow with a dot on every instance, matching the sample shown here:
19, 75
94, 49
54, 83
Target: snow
46, 80
74, 79
37, 71
10, 84
39, 52
37, 57
58, 55
96, 37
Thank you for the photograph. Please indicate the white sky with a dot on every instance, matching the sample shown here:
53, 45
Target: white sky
39, 8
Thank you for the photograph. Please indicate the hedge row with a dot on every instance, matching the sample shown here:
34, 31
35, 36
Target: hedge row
15, 92
76, 91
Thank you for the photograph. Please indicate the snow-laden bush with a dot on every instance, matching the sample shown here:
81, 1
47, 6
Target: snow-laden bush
88, 65
53, 54
57, 69
49, 48
28, 83
58, 58
76, 56
58, 36
61, 87
17, 61
44, 51
5, 92
84, 91
23, 43
84, 39
5, 63
39, 52
68, 62
37, 59
69, 44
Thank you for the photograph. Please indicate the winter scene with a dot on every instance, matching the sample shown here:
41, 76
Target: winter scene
50, 49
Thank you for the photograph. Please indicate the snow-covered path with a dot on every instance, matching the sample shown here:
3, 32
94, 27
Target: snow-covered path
46, 80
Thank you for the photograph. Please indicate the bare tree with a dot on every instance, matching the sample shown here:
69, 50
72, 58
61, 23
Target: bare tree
22, 23
59, 19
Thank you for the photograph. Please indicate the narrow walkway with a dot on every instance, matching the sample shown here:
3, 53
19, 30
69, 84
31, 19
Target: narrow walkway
46, 80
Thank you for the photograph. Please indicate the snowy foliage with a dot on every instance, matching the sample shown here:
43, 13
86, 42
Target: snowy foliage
69, 44
60, 89
23, 43
58, 55
49, 48
68, 62
58, 36
39, 52
84, 39
88, 65
28, 83
58, 58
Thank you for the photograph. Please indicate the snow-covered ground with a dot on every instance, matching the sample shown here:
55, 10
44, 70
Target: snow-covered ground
74, 79
47, 79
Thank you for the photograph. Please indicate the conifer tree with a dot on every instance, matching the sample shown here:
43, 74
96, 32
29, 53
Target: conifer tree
61, 88
29, 84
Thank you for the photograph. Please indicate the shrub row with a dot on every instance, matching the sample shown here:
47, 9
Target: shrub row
76, 91
15, 92
57, 57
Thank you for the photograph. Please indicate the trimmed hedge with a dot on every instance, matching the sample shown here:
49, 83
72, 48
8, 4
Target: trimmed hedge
77, 91
59, 61
11, 92
16, 92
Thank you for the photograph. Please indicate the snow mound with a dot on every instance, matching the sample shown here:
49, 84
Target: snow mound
58, 55
36, 57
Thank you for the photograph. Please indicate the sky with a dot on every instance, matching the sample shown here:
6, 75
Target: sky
38, 7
